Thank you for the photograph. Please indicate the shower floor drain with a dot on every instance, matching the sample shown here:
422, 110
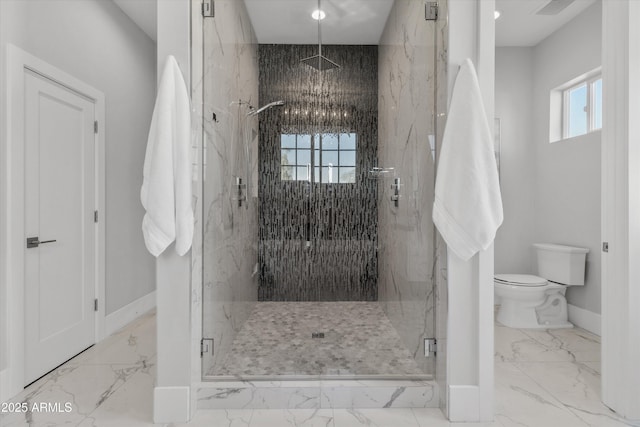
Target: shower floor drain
317, 334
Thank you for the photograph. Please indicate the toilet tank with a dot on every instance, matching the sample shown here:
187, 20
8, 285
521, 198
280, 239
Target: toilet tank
561, 264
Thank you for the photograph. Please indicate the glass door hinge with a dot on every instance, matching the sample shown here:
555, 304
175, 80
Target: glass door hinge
208, 9
206, 346
430, 347
431, 11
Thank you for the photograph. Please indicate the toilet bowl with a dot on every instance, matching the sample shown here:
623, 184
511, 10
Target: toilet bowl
538, 302
531, 302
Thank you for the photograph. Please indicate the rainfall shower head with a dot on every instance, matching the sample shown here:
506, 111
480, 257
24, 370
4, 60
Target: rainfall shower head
265, 107
319, 62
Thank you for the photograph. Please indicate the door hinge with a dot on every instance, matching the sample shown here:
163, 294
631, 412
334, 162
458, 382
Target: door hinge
95, 216
95, 304
431, 11
208, 8
95, 126
430, 347
605, 246
206, 346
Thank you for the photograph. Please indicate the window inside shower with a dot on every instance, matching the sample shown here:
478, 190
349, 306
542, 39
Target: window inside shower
315, 264
323, 158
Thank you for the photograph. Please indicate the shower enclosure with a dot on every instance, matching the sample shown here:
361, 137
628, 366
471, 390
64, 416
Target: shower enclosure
320, 259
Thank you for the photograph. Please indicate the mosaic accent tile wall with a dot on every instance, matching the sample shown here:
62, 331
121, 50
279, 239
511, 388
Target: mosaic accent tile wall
318, 208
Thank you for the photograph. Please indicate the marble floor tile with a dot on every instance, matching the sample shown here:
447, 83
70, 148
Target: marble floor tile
520, 401
130, 345
292, 418
375, 418
433, 417
514, 345
540, 381
576, 386
580, 345
220, 418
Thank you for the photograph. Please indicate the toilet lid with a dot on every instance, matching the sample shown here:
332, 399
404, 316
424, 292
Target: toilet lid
520, 279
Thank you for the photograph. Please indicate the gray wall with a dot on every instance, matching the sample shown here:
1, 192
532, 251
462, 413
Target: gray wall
96, 42
566, 174
514, 92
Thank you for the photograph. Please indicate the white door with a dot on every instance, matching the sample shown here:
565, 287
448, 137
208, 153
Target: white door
59, 205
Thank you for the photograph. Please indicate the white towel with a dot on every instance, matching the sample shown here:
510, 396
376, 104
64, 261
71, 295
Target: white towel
166, 185
468, 207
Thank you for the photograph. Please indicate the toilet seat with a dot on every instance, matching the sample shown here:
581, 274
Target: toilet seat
524, 280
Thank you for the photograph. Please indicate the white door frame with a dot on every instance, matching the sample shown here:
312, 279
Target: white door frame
17, 61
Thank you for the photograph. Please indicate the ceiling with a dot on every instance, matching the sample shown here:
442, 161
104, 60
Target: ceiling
518, 24
362, 21
143, 12
347, 21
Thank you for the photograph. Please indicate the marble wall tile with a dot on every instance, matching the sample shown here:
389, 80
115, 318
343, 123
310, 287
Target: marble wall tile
230, 84
406, 129
318, 394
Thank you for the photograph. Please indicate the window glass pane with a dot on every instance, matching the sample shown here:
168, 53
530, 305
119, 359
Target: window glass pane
597, 104
287, 141
316, 154
325, 175
347, 141
348, 175
288, 157
329, 157
304, 157
303, 173
304, 141
287, 173
578, 118
347, 158
316, 174
329, 141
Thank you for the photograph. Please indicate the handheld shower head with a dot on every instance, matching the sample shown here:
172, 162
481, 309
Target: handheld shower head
265, 107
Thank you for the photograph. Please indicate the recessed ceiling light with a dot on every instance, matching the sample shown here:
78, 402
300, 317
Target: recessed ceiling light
496, 14
318, 14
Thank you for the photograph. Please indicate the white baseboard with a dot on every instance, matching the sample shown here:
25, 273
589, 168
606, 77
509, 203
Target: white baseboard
130, 312
585, 319
464, 404
171, 404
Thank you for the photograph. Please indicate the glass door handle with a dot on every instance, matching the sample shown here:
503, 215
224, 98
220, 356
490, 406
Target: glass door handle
34, 242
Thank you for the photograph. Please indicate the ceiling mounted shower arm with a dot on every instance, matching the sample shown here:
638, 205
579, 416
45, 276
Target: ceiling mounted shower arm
319, 40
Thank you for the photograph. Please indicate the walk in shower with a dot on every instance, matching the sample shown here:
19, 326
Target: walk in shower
320, 258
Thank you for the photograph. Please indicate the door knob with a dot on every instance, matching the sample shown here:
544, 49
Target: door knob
34, 242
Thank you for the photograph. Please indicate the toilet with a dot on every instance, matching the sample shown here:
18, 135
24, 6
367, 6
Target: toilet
538, 302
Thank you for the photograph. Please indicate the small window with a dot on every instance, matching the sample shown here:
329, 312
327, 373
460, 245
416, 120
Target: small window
323, 158
582, 107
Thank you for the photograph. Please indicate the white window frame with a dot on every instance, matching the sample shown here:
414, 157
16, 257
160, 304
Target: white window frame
589, 81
